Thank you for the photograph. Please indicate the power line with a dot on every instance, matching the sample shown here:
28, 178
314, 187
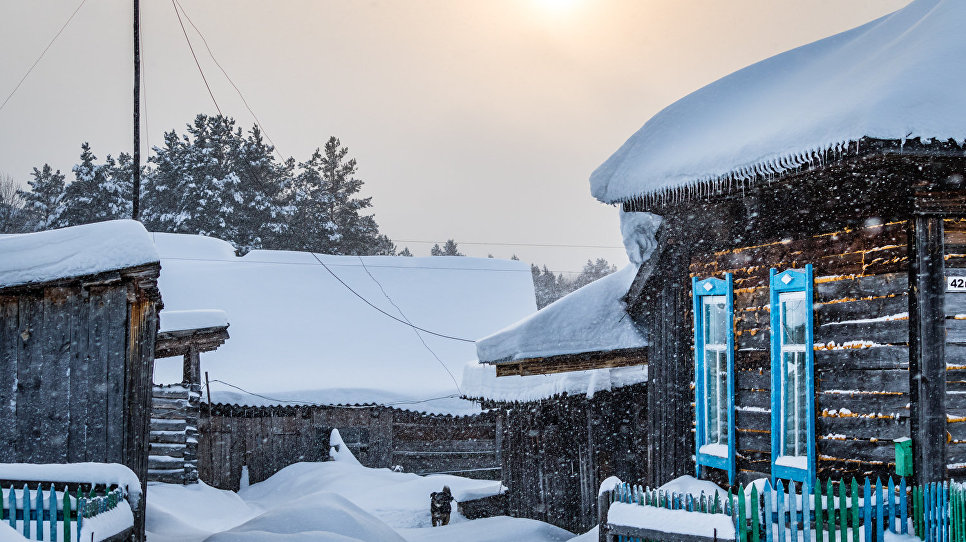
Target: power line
420, 337
367, 302
313, 403
223, 71
198, 64
44, 52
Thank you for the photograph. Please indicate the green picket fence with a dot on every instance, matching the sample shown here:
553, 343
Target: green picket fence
57, 515
826, 511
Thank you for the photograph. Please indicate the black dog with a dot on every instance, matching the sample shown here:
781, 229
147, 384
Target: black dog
440, 507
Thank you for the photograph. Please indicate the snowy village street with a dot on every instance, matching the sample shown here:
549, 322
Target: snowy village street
339, 501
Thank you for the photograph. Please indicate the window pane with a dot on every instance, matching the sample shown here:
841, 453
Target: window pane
788, 405
723, 395
711, 392
715, 320
795, 411
793, 316
801, 408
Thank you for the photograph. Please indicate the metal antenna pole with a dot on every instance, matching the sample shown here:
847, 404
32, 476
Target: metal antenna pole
136, 196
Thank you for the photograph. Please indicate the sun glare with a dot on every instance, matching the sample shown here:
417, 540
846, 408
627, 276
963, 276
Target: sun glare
558, 7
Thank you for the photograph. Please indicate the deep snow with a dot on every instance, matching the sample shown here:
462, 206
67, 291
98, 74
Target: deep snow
32, 258
294, 326
898, 77
337, 501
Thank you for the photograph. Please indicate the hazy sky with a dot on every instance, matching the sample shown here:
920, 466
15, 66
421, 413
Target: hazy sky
478, 120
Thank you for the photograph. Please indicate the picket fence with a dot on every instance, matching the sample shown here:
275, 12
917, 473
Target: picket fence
56, 515
823, 512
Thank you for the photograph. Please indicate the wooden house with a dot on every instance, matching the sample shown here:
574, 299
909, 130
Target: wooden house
565, 427
805, 316
78, 316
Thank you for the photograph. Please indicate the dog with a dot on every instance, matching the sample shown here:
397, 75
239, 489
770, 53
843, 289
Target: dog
440, 507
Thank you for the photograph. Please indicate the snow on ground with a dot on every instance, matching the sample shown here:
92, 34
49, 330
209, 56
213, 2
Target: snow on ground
683, 522
294, 325
73, 252
337, 501
898, 77
689, 485
7, 534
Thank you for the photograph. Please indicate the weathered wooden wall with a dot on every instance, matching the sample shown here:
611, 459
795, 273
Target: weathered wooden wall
861, 345
76, 361
955, 309
556, 453
173, 457
267, 439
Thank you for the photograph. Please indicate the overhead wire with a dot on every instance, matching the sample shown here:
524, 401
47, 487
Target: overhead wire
401, 313
193, 55
42, 53
228, 77
367, 302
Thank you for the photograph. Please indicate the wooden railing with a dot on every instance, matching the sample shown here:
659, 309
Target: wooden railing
59, 513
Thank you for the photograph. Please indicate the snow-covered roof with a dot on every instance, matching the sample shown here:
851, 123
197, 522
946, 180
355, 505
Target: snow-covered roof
480, 382
295, 327
591, 319
191, 319
34, 258
419, 402
896, 78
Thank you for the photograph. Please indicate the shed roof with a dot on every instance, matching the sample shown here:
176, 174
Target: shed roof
77, 251
300, 334
591, 319
896, 78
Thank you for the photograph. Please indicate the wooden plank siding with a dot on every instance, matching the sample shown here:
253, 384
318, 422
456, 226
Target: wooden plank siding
76, 362
861, 345
556, 452
268, 439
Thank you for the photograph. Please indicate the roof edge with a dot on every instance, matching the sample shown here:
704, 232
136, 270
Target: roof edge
777, 168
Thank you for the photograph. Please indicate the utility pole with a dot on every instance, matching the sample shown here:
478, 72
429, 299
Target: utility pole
136, 196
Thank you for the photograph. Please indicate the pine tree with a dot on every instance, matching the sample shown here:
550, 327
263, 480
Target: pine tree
405, 252
449, 248
99, 191
43, 201
327, 211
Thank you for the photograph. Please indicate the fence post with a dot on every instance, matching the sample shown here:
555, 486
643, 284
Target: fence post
793, 512
603, 503
769, 511
756, 514
843, 513
854, 489
867, 510
26, 511
806, 512
819, 508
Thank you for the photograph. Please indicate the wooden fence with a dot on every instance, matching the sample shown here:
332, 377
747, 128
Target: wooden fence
56, 515
832, 512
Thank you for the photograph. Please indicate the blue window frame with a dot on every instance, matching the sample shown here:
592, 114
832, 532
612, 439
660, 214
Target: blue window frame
714, 364
792, 375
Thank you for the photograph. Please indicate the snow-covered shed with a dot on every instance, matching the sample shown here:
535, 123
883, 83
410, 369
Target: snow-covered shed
568, 383
78, 316
374, 345
812, 258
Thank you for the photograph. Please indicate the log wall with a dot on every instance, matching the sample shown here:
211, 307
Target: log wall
557, 452
861, 346
267, 439
955, 308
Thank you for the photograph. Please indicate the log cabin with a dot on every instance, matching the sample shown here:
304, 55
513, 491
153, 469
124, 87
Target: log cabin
805, 316
78, 316
568, 384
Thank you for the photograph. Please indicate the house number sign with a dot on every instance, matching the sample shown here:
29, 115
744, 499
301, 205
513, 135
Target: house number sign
956, 284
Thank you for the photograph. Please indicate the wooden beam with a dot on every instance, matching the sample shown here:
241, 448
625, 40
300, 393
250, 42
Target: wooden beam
927, 337
179, 343
573, 362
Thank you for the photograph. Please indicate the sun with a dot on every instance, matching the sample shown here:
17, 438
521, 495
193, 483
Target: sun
558, 7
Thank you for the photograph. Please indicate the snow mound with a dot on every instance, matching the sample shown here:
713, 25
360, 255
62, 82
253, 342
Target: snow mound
495, 529
7, 534
689, 485
34, 258
399, 499
718, 526
895, 78
590, 319
338, 451
193, 319
319, 516
173, 509
181, 246
480, 382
